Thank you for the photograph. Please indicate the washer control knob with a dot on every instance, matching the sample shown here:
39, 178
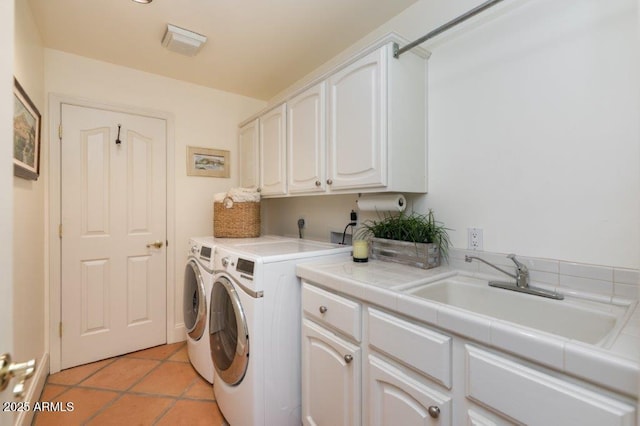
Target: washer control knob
225, 261
194, 249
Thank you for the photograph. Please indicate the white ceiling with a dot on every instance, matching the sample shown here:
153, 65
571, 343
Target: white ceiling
255, 47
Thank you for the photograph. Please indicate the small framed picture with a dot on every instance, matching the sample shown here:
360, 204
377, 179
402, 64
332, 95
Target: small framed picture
207, 162
26, 135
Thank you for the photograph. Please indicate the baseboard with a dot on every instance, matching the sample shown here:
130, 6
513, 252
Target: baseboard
34, 390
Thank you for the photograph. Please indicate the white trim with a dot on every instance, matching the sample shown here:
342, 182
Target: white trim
35, 390
55, 106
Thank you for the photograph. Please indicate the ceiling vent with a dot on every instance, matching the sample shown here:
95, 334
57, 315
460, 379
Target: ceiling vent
182, 41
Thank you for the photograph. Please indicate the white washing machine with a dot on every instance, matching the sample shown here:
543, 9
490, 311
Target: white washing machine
255, 327
198, 281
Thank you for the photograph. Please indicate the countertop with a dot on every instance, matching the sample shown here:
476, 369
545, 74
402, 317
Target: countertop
615, 366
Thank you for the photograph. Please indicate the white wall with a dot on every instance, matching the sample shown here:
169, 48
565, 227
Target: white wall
29, 310
203, 117
533, 128
6, 188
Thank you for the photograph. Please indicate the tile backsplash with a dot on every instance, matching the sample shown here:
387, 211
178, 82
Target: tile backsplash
566, 277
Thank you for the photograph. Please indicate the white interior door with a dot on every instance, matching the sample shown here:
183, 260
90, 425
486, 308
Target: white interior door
113, 211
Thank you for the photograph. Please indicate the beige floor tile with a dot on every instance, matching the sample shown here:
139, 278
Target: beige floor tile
157, 386
132, 410
75, 375
201, 389
158, 352
86, 402
121, 374
50, 391
171, 378
192, 413
182, 355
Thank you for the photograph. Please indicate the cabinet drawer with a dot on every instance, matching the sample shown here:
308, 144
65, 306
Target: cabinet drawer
411, 344
333, 310
535, 398
397, 399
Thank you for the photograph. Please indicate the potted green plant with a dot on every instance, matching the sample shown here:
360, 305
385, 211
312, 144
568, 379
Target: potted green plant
413, 239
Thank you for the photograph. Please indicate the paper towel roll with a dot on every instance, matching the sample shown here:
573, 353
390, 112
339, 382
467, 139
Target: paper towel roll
382, 203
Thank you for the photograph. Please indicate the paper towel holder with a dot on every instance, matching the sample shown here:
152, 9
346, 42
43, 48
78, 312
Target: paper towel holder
391, 202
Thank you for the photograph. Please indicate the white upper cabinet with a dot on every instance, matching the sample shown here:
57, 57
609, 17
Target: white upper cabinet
377, 124
306, 140
357, 124
249, 164
360, 128
273, 151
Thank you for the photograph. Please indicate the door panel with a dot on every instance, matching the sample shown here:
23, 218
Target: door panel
113, 206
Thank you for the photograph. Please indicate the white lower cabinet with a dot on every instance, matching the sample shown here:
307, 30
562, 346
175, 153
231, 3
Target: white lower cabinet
404, 372
395, 398
535, 398
331, 378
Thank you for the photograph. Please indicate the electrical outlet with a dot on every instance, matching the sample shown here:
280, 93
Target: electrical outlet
474, 238
353, 217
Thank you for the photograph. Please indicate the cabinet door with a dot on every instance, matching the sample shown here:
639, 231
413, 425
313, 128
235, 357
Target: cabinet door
536, 398
357, 152
306, 115
249, 164
330, 378
273, 154
397, 399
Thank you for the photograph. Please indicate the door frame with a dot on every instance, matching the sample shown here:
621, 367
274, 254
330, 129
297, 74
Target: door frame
52, 339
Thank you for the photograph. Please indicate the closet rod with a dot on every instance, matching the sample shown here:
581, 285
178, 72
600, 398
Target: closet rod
397, 51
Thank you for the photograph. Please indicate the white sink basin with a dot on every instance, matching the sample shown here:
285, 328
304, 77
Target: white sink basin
586, 321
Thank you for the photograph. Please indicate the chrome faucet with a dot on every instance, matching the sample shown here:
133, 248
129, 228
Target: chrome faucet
521, 276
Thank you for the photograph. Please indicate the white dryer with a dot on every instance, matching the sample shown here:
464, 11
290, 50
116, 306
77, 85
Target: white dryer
198, 281
255, 327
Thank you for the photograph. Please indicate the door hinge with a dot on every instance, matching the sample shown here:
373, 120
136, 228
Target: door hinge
60, 231
166, 243
60, 328
60, 131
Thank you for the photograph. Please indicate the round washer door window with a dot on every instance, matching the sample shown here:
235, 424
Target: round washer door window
194, 305
228, 335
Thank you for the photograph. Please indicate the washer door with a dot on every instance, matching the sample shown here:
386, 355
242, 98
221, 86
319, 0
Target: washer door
194, 304
228, 332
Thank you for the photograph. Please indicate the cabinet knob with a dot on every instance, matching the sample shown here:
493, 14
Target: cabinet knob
348, 358
259, 189
318, 183
322, 309
329, 181
434, 411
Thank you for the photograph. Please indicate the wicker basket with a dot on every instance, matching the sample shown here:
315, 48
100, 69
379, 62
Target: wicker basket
241, 220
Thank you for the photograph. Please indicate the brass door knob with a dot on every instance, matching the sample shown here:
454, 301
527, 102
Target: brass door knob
157, 244
20, 370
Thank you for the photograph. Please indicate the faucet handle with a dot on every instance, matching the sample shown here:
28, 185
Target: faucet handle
521, 266
522, 272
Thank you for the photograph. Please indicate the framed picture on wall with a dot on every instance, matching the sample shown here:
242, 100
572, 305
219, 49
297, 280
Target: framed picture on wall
26, 135
207, 162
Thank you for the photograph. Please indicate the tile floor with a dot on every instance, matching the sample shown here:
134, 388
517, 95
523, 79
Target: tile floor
156, 386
